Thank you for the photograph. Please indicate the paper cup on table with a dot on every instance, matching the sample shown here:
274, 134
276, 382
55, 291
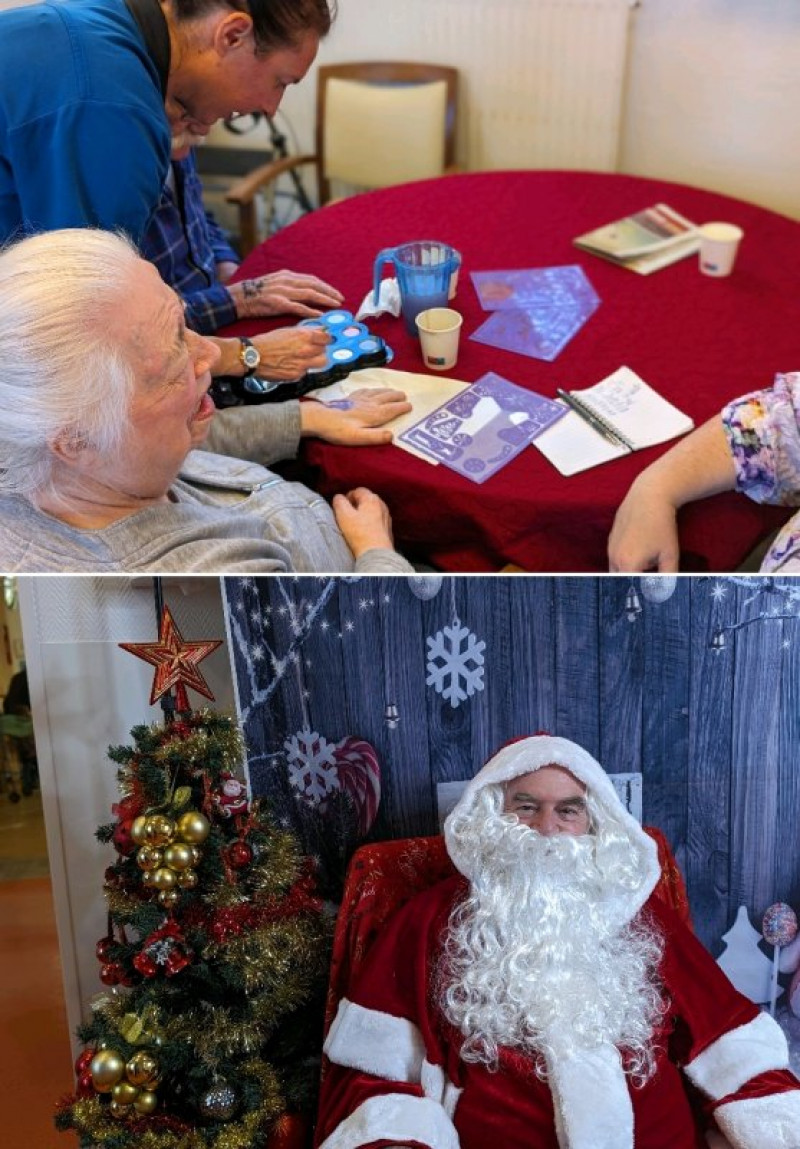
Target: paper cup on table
719, 243
439, 330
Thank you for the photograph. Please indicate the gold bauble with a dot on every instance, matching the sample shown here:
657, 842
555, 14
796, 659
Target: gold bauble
146, 1102
124, 1093
119, 1111
141, 1068
159, 830
163, 878
187, 879
193, 827
147, 877
149, 858
169, 898
137, 830
197, 855
178, 856
106, 1068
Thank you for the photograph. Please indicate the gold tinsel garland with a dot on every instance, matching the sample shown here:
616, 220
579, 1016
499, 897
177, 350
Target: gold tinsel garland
91, 1119
267, 955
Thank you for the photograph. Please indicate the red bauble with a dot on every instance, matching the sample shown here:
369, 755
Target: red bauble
177, 960
239, 855
111, 973
85, 1086
103, 949
128, 808
123, 842
145, 965
84, 1061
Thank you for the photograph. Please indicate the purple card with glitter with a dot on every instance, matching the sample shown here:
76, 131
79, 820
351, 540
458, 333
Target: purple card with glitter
536, 310
483, 427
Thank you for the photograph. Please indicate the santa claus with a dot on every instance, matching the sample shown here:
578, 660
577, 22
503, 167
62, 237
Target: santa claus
543, 998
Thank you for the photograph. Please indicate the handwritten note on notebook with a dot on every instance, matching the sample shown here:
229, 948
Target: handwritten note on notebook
626, 404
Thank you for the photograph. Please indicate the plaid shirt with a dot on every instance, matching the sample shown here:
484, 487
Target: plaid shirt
186, 245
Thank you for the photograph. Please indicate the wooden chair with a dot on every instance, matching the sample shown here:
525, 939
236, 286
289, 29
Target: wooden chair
384, 876
378, 124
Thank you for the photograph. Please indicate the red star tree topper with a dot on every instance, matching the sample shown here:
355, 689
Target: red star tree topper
175, 661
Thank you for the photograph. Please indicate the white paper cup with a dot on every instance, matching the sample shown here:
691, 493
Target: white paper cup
439, 329
719, 243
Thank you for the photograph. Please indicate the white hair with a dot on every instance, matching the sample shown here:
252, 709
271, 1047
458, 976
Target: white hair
62, 374
532, 960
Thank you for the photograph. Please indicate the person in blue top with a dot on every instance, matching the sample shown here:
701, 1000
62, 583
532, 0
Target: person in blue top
93, 92
194, 256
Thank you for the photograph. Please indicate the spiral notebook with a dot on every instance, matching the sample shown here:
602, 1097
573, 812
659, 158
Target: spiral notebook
623, 404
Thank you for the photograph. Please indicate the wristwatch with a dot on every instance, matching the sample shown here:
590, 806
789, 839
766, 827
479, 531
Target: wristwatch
249, 355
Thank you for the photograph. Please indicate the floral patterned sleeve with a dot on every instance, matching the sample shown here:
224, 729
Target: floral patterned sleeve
763, 430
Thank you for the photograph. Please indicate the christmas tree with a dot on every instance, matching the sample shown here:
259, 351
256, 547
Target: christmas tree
215, 959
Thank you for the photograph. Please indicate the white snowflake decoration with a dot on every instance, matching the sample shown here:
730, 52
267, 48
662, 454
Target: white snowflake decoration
159, 951
455, 655
312, 766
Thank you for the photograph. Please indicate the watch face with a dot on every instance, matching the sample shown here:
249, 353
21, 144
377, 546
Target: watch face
250, 357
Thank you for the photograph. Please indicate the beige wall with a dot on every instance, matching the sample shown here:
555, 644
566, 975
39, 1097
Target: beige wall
712, 95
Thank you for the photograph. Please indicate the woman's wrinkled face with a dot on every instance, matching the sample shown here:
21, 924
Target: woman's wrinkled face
170, 410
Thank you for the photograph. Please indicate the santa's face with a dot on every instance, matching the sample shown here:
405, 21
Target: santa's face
549, 800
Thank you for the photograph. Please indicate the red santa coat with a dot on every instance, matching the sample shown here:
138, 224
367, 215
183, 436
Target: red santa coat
395, 1075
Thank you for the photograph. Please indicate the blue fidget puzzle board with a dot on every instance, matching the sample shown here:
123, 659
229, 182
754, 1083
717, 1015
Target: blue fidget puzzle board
352, 347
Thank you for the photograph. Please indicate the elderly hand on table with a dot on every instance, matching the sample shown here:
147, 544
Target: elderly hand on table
359, 425
364, 520
283, 293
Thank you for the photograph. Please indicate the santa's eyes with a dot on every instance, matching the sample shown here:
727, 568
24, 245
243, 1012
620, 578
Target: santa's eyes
568, 812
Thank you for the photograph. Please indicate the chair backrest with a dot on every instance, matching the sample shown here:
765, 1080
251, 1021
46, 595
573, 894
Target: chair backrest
384, 123
383, 876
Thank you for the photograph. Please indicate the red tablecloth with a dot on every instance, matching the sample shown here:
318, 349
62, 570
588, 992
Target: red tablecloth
698, 341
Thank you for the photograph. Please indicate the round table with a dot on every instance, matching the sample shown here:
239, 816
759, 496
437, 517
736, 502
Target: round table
698, 341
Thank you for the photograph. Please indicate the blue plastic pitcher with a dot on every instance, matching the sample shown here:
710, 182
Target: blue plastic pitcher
423, 274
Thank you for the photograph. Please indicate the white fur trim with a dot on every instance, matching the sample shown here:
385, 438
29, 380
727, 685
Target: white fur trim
395, 1117
375, 1042
742, 1053
772, 1121
529, 754
591, 1099
438, 1086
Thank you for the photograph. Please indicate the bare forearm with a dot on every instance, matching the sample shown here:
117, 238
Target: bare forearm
645, 531
698, 466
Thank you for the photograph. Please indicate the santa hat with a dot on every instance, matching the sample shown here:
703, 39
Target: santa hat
524, 756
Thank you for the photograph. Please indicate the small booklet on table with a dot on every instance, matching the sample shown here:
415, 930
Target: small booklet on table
645, 241
620, 414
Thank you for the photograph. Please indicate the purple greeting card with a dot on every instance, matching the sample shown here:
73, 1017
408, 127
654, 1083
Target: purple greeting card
484, 427
536, 310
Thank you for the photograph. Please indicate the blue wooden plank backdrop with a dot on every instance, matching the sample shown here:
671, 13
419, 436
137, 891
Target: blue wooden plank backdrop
714, 732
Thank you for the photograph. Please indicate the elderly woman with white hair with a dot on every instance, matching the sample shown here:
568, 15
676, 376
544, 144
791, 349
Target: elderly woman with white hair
103, 402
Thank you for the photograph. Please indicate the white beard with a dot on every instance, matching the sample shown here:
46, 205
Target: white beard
532, 959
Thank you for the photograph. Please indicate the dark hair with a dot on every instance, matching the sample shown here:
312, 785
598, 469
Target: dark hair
276, 23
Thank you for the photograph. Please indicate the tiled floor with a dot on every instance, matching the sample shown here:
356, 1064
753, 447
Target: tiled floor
35, 1059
